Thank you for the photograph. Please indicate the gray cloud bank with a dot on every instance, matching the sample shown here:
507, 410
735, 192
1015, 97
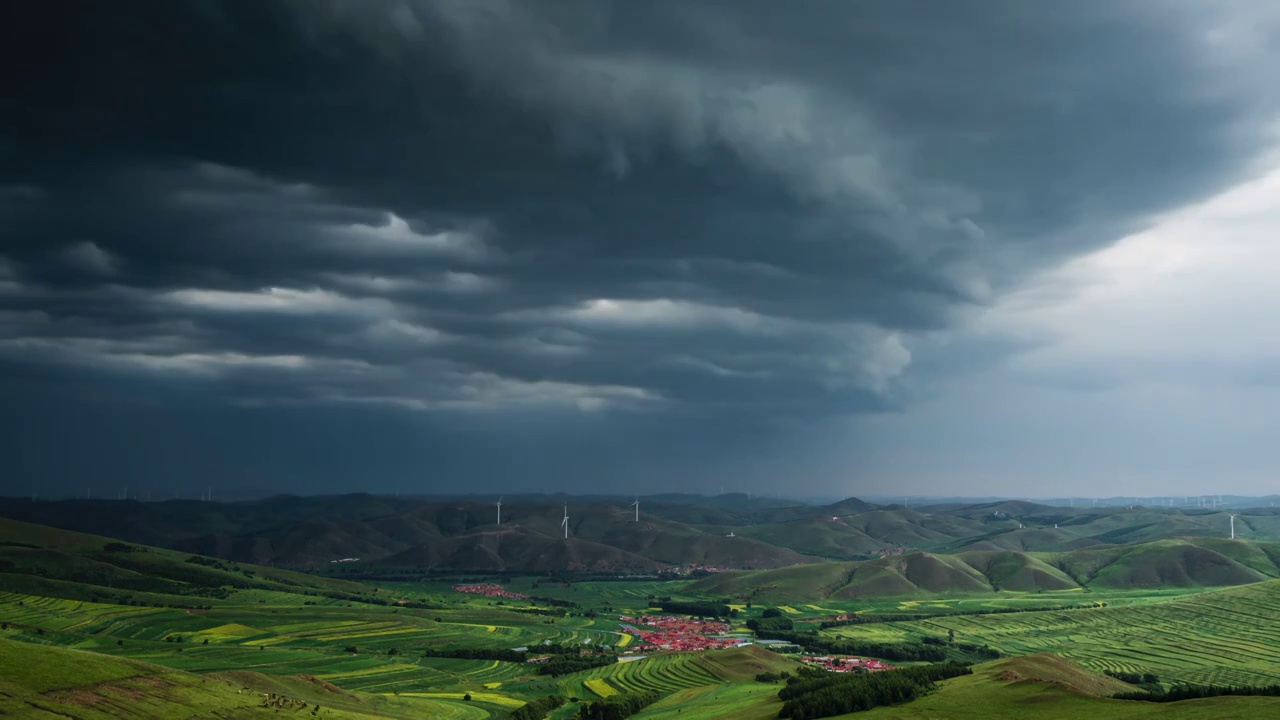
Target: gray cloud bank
479, 236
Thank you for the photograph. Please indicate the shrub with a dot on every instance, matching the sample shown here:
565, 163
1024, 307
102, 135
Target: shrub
538, 708
619, 706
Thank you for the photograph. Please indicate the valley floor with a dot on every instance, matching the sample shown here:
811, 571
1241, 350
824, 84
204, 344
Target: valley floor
151, 633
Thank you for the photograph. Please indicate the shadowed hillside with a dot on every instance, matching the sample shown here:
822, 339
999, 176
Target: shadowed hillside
729, 531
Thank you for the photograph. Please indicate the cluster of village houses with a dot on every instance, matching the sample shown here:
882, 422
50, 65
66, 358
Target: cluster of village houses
489, 590
677, 634
845, 664
669, 633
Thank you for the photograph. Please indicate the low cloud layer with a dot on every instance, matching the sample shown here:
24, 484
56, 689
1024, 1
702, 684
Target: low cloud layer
692, 237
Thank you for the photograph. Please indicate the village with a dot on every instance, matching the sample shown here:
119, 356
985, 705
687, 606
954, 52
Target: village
684, 570
492, 590
676, 634
845, 664
670, 633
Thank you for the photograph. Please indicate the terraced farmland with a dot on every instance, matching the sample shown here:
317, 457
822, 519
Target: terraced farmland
755, 701
1224, 637
299, 640
664, 673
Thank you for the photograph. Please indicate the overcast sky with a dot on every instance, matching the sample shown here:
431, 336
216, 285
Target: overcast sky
990, 247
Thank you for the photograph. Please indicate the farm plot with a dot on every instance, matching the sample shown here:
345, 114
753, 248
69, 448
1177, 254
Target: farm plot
663, 673
753, 701
1225, 637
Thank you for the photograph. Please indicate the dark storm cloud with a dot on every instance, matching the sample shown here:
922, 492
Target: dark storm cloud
634, 211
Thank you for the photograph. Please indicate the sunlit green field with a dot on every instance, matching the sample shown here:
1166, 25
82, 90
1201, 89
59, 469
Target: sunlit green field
1225, 637
374, 653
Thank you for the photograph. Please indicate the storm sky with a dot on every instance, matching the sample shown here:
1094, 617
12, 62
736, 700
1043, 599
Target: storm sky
964, 247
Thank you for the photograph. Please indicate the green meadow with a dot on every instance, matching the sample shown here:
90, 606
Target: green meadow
1229, 636
162, 634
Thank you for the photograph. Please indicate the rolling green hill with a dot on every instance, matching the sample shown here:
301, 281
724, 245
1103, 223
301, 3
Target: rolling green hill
1203, 562
1033, 686
62, 563
42, 682
1225, 637
1047, 686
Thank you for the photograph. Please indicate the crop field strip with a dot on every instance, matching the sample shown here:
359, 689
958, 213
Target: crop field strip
753, 701
254, 626
663, 673
253, 638
1223, 637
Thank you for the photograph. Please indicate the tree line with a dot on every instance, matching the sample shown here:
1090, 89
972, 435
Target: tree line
618, 707
478, 654
1134, 678
538, 708
912, 617
698, 608
894, 651
1193, 692
806, 698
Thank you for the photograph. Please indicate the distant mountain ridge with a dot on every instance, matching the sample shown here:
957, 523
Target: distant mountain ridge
731, 531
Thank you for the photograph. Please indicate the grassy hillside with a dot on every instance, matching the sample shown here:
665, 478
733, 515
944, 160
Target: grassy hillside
1199, 562
38, 682
62, 563
1034, 686
1223, 637
1045, 686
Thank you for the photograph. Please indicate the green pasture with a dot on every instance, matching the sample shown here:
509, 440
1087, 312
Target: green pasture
1221, 637
1009, 689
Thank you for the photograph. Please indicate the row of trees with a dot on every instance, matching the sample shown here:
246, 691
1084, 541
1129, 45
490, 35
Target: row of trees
477, 654
893, 651
837, 694
771, 625
1192, 692
538, 708
981, 651
1134, 678
697, 608
618, 707
911, 617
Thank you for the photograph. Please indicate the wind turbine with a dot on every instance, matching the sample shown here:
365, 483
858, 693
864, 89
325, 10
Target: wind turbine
1233, 525
565, 522
499, 509
636, 504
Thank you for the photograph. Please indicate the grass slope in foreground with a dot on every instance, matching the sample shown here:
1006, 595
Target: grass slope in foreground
38, 682
1160, 564
1043, 686
1047, 687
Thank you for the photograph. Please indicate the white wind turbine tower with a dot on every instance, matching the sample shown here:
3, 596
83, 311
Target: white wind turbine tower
1233, 525
565, 522
499, 509
636, 505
